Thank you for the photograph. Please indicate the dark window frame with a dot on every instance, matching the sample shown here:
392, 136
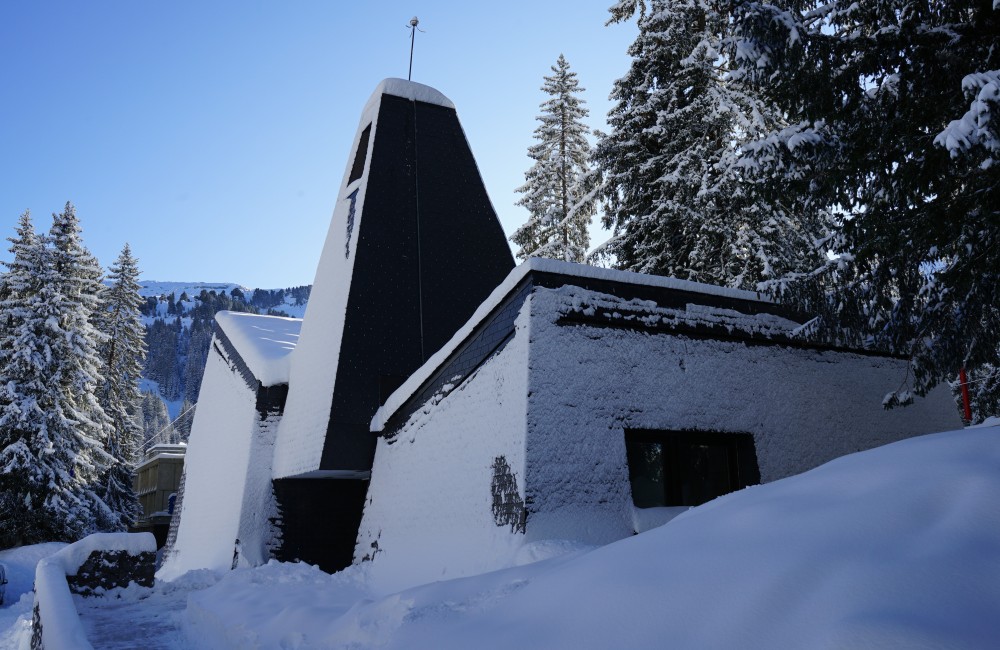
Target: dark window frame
358, 168
667, 468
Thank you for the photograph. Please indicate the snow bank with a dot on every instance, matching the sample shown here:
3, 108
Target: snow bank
15, 613
264, 343
893, 547
274, 606
61, 625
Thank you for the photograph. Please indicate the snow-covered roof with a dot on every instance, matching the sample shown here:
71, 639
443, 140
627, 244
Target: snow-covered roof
409, 90
534, 264
263, 342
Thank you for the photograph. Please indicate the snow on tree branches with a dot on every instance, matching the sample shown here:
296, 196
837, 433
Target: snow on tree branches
899, 106
122, 353
52, 427
559, 188
680, 193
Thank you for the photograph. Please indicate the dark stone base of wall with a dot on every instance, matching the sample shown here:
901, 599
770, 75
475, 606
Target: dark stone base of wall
105, 570
36, 629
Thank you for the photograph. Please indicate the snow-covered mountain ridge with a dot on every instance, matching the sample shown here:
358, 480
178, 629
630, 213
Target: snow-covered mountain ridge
178, 317
157, 288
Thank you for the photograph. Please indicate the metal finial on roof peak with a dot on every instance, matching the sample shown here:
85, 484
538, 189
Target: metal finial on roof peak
413, 34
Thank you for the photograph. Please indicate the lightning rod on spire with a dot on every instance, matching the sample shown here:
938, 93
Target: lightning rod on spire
413, 34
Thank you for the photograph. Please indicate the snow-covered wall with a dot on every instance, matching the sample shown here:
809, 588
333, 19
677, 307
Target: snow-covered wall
216, 475
313, 372
431, 512
588, 384
256, 532
555, 404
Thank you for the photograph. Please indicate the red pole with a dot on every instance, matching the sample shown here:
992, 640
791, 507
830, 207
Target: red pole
964, 381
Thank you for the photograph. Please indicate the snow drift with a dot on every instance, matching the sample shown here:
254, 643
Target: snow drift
893, 547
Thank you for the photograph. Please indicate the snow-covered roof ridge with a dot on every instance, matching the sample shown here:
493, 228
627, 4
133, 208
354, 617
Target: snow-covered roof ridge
263, 342
417, 379
643, 279
410, 90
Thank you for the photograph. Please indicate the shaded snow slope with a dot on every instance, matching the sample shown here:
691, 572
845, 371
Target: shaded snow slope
893, 547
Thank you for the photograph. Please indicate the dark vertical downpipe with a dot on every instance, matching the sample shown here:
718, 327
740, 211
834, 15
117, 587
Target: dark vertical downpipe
416, 201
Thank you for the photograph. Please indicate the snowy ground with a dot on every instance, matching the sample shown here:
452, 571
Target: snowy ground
894, 547
15, 613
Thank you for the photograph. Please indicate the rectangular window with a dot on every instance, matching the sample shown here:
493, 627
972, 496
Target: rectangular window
358, 167
688, 468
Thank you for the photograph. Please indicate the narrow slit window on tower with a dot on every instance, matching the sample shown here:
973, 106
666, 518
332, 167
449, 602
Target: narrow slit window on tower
688, 468
358, 167
353, 198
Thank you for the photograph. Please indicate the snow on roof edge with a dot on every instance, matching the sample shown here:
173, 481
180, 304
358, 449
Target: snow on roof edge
409, 90
643, 279
399, 397
265, 350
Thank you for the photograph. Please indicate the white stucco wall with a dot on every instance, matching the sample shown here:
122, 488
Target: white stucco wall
215, 471
430, 503
588, 384
557, 409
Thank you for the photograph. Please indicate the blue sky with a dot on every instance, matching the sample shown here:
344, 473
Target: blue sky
212, 135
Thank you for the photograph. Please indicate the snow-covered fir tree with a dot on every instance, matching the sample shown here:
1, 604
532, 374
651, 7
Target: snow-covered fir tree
559, 187
185, 420
122, 354
679, 192
51, 425
895, 122
22, 484
157, 427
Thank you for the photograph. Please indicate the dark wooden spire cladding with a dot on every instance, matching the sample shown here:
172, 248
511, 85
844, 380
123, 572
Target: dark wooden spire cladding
430, 250
423, 249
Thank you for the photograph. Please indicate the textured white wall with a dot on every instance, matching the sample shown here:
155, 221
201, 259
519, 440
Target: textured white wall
588, 384
216, 471
430, 500
557, 410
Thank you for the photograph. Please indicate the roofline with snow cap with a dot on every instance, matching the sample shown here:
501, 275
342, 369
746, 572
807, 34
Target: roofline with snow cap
411, 90
491, 326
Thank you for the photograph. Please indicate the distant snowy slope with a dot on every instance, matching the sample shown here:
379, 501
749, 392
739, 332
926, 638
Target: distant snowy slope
156, 288
292, 305
896, 547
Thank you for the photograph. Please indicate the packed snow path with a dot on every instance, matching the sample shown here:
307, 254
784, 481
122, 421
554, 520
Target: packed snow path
135, 618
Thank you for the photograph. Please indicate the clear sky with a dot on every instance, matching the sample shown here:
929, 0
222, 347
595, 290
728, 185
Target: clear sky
212, 135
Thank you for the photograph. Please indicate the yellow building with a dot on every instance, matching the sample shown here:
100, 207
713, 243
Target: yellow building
157, 479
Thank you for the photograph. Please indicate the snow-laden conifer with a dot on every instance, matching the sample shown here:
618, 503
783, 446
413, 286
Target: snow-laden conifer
679, 194
22, 481
559, 187
52, 426
157, 427
122, 354
893, 110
